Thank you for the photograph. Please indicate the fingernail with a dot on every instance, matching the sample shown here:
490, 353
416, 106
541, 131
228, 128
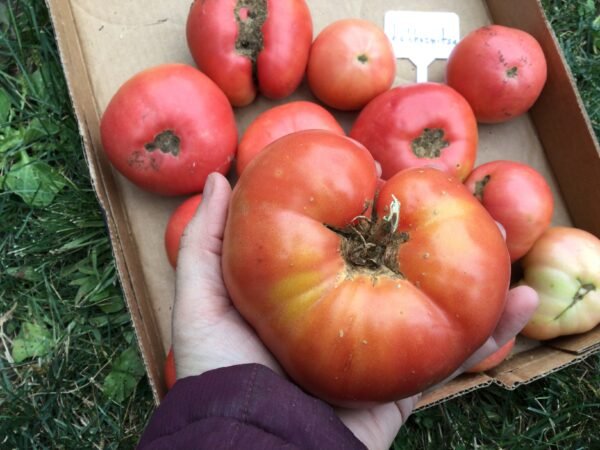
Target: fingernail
209, 185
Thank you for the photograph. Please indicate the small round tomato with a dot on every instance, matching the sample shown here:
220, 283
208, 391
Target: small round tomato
563, 266
176, 226
169, 370
494, 359
361, 307
517, 196
279, 121
167, 128
351, 61
418, 125
499, 70
250, 45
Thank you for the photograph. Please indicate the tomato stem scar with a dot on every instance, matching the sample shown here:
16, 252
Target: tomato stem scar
362, 58
371, 244
480, 186
430, 143
250, 16
166, 141
512, 72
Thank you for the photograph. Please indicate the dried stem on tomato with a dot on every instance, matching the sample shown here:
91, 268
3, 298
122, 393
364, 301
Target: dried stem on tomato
369, 243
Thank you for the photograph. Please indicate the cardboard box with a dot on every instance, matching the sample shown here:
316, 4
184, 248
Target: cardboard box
102, 44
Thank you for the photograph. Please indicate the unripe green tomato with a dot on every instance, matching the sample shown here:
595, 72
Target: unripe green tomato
563, 266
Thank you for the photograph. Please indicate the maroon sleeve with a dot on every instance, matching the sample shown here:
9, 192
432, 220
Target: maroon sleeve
246, 407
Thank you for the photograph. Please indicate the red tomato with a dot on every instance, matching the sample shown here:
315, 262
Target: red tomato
279, 121
167, 128
518, 197
240, 43
563, 267
176, 226
351, 322
499, 70
351, 62
494, 359
418, 125
169, 370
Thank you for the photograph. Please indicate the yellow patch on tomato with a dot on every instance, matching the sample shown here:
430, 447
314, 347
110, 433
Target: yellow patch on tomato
296, 293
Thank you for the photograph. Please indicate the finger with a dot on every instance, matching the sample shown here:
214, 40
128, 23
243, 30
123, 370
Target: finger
521, 303
502, 229
378, 426
378, 169
520, 306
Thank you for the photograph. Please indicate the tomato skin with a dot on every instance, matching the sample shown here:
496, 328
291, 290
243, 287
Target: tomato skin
518, 197
501, 71
212, 31
394, 124
494, 359
169, 99
179, 219
288, 35
169, 370
351, 62
335, 327
563, 267
279, 121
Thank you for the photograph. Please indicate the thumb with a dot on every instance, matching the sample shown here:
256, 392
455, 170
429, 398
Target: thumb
199, 260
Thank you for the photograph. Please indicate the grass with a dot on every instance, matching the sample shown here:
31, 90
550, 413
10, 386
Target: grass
70, 373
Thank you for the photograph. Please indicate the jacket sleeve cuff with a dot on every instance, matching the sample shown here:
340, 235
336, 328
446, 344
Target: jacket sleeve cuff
246, 406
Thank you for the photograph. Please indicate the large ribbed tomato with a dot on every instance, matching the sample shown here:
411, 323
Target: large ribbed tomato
359, 308
250, 45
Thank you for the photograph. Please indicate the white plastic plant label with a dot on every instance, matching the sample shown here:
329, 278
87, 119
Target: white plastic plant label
422, 36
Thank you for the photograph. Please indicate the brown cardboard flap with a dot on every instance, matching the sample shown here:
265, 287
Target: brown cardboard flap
125, 252
454, 388
578, 344
531, 365
562, 124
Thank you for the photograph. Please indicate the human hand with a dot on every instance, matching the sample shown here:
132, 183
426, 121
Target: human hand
209, 333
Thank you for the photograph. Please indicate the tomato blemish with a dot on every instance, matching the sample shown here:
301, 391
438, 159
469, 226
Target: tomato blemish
480, 186
166, 141
430, 143
250, 16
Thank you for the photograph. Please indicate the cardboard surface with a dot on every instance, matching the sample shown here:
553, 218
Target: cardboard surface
102, 44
